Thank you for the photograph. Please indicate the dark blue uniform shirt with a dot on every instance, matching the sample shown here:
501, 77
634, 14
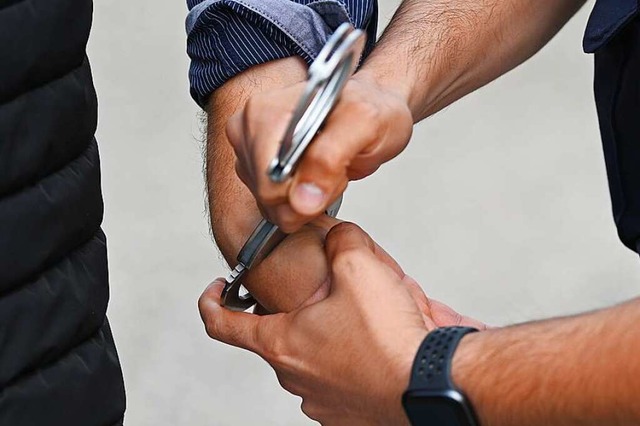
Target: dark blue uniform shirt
613, 35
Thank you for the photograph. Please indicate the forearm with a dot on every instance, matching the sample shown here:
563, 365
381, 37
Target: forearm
297, 268
579, 370
435, 52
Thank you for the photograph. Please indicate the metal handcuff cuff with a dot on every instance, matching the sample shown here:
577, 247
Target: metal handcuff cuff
327, 76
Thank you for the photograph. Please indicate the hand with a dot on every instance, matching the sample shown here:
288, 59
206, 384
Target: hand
349, 355
297, 271
368, 127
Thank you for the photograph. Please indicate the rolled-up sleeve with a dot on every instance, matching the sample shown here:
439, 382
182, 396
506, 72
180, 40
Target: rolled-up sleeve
225, 37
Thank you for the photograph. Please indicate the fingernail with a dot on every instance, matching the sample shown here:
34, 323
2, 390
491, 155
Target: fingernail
308, 198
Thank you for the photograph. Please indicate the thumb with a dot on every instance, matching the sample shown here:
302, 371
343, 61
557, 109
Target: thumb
388, 260
346, 237
352, 259
233, 328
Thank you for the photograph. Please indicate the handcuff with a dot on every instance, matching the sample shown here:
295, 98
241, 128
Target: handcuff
326, 78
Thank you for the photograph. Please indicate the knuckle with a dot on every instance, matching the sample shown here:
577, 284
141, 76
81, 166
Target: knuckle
313, 410
267, 194
342, 230
287, 384
252, 107
232, 334
210, 321
325, 159
342, 186
233, 130
457, 319
372, 133
310, 410
347, 261
367, 111
212, 327
287, 219
288, 226
269, 213
242, 173
361, 169
253, 116
273, 349
274, 344
201, 304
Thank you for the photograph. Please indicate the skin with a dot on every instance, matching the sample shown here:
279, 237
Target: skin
278, 283
579, 370
349, 355
296, 344
372, 125
442, 49
284, 285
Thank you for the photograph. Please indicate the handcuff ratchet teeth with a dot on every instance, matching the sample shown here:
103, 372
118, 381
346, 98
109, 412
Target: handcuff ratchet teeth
327, 76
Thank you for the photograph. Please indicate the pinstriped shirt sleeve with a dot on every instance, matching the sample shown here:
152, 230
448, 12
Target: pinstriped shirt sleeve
225, 37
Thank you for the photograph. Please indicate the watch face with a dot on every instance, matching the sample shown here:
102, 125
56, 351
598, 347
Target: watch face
441, 409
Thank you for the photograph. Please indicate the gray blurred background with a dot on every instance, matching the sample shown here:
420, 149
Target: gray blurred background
499, 207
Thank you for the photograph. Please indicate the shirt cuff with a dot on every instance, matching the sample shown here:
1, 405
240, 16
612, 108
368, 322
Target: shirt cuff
225, 37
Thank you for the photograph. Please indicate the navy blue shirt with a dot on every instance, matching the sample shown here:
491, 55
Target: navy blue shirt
225, 37
613, 35
607, 19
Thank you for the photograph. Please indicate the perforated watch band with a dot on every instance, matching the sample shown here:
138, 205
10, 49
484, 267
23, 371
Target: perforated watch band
432, 365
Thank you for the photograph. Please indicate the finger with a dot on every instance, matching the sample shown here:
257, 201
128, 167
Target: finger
352, 261
378, 251
265, 122
418, 295
444, 315
308, 200
420, 299
322, 173
386, 258
291, 220
241, 171
310, 410
234, 131
347, 236
233, 328
237, 138
320, 294
283, 216
287, 219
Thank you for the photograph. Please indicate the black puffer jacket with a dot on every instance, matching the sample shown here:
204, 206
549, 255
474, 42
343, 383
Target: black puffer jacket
58, 363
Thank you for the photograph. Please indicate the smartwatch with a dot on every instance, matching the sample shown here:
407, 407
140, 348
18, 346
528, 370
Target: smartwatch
432, 398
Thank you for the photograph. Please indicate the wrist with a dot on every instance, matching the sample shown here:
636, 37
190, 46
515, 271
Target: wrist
466, 368
432, 392
387, 81
230, 231
418, 87
402, 377
464, 358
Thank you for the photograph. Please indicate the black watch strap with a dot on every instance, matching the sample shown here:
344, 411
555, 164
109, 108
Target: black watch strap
432, 365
